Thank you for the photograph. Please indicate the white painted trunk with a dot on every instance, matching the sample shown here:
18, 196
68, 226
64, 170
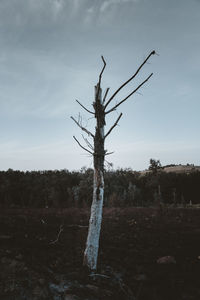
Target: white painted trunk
92, 245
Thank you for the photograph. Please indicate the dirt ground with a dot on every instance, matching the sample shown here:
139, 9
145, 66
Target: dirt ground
145, 253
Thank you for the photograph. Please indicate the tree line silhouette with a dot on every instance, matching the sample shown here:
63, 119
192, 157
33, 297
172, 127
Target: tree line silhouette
123, 188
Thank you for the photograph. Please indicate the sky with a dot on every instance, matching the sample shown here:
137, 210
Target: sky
50, 55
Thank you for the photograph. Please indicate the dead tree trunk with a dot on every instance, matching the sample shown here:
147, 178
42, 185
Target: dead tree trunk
97, 150
92, 245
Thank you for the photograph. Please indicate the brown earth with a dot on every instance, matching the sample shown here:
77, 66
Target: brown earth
145, 253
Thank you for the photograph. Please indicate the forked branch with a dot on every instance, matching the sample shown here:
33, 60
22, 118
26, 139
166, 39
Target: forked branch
83, 128
131, 78
91, 112
82, 146
134, 91
115, 124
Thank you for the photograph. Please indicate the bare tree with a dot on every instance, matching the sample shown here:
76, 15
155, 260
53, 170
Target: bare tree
97, 150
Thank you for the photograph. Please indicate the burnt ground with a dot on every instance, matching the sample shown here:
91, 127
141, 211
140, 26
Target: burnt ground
41, 255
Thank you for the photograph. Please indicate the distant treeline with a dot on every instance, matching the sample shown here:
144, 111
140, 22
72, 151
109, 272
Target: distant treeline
123, 187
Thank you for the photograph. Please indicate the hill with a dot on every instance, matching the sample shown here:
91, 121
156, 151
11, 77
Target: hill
179, 169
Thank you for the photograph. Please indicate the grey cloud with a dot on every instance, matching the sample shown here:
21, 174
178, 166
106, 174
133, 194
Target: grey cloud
45, 14
51, 13
106, 4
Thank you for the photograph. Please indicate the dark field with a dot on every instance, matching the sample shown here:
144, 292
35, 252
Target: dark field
41, 255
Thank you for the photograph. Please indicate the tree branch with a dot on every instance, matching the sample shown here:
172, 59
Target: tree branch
81, 145
88, 143
139, 86
59, 233
83, 128
131, 78
103, 66
104, 98
109, 153
91, 112
115, 124
100, 75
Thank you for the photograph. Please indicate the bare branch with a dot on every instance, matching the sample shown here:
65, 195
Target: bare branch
135, 90
110, 165
77, 226
91, 112
103, 66
99, 275
59, 233
100, 75
131, 78
115, 124
82, 146
104, 98
109, 153
88, 143
83, 128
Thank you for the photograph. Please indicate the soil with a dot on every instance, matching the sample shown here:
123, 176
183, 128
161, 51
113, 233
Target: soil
145, 253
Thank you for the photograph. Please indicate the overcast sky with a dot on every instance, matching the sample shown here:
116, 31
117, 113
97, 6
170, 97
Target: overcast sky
50, 55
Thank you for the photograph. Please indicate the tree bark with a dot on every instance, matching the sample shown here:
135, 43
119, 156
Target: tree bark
92, 244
